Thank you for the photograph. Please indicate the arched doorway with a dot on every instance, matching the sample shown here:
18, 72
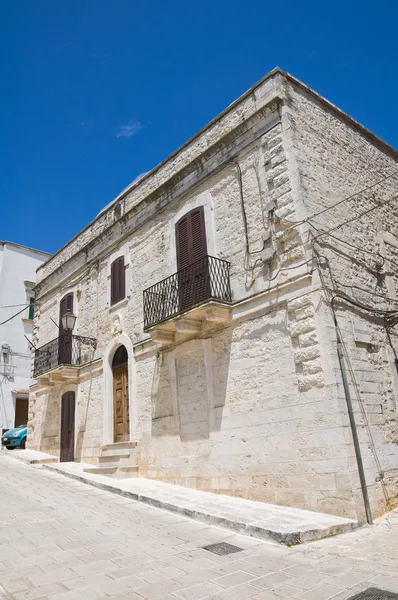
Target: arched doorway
67, 446
121, 416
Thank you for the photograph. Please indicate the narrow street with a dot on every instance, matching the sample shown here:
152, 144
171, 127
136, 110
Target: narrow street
62, 539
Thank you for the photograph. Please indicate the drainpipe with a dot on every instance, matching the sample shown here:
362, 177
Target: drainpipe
351, 416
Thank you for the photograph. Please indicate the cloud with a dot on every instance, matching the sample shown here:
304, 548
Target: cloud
129, 129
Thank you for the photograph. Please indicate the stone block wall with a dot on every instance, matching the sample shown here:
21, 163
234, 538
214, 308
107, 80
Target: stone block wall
352, 181
255, 409
241, 423
45, 417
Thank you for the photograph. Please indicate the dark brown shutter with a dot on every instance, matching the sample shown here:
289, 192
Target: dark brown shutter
65, 338
182, 241
191, 238
67, 446
198, 233
118, 280
65, 305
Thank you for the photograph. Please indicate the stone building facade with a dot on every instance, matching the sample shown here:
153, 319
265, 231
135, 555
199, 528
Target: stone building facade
231, 379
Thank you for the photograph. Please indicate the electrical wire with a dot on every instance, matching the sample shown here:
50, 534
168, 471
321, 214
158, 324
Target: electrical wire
330, 302
357, 217
365, 189
16, 314
345, 199
321, 233
373, 293
14, 305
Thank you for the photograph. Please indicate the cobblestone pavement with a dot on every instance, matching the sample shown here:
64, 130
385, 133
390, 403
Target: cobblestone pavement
62, 539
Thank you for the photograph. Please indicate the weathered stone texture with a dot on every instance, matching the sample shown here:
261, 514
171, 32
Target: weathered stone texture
255, 408
338, 164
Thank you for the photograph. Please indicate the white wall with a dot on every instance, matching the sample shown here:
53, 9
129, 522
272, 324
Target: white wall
18, 265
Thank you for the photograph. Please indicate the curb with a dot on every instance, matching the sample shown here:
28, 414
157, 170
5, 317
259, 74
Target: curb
249, 529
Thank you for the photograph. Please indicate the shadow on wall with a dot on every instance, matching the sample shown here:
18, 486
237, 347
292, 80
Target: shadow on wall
51, 424
189, 388
82, 423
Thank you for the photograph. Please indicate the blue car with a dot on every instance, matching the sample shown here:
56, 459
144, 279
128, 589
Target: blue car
15, 438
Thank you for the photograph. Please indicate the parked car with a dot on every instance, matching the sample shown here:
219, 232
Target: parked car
15, 438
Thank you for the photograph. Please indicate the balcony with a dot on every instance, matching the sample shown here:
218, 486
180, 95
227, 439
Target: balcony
189, 301
57, 360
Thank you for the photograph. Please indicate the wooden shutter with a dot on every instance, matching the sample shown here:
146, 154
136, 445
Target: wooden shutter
65, 338
191, 238
67, 446
65, 305
198, 233
31, 314
118, 280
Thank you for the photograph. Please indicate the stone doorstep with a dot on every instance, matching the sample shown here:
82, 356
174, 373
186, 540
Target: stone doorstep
119, 472
33, 457
282, 524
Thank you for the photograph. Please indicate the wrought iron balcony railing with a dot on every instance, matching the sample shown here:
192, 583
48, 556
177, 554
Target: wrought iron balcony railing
67, 349
206, 279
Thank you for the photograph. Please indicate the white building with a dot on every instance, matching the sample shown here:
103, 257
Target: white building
18, 266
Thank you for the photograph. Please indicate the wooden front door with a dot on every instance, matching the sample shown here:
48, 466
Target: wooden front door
121, 417
21, 411
67, 451
65, 338
192, 261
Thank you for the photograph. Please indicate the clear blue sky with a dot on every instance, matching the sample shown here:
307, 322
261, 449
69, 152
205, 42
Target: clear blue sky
95, 92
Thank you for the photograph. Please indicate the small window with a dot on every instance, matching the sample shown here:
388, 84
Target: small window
30, 301
118, 280
31, 312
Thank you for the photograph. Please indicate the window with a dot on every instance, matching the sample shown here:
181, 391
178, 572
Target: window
31, 312
30, 301
118, 280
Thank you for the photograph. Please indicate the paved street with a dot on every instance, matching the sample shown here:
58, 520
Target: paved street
62, 539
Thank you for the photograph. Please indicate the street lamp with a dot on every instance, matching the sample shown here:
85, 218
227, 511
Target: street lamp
68, 321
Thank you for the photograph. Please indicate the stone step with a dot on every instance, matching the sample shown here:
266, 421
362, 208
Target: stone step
117, 472
124, 472
117, 446
116, 460
100, 470
33, 457
115, 457
116, 451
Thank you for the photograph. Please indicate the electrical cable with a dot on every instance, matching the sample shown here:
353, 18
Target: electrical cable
321, 233
379, 311
357, 217
15, 305
358, 395
13, 316
373, 293
345, 199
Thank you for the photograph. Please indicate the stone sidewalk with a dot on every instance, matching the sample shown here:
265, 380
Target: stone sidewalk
267, 521
62, 540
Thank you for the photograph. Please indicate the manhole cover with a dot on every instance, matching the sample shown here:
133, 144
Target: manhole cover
374, 594
223, 548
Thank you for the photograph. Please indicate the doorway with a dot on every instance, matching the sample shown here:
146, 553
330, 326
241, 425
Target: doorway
21, 411
121, 416
67, 450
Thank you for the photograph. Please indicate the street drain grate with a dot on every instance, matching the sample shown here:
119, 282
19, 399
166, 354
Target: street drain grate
223, 548
374, 594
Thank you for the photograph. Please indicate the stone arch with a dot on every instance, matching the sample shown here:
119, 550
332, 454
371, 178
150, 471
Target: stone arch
108, 426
